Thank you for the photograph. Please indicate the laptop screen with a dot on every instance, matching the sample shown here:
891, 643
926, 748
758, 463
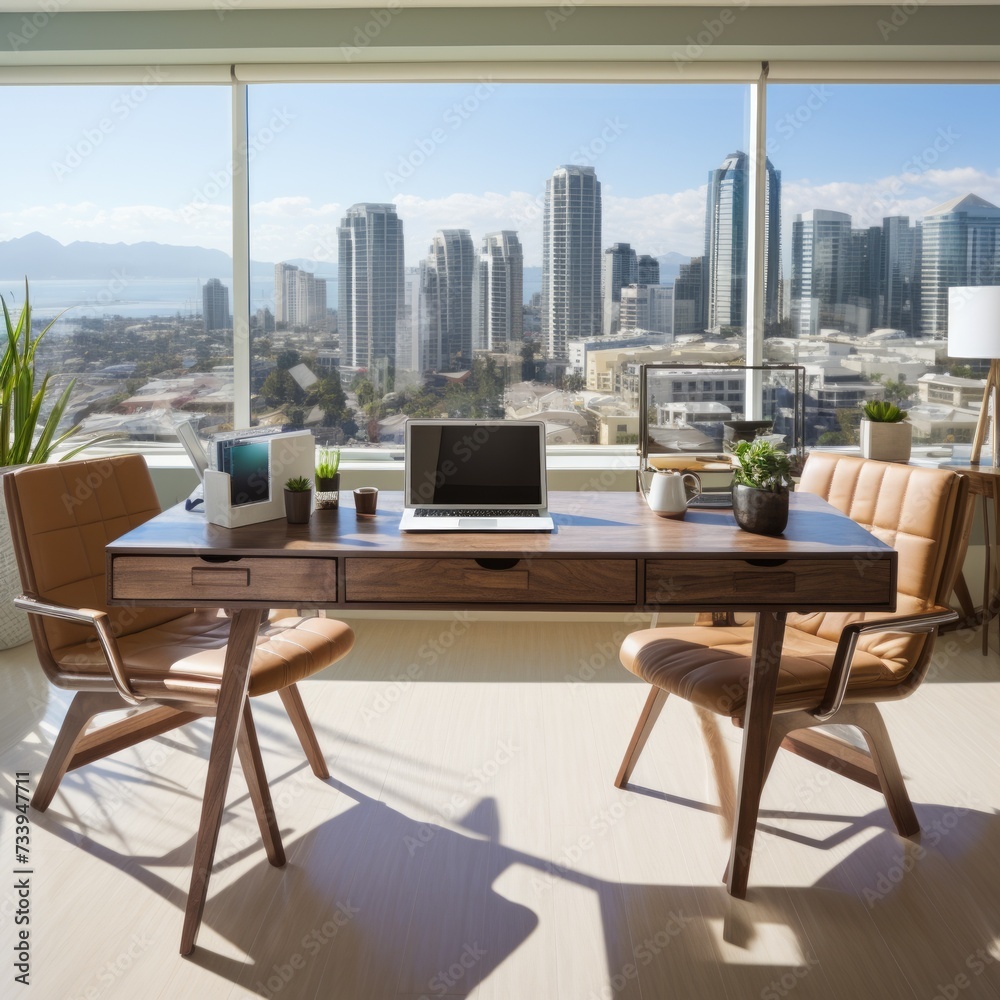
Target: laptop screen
461, 463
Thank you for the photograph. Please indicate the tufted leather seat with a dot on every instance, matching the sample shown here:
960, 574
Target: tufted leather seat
62, 517
923, 514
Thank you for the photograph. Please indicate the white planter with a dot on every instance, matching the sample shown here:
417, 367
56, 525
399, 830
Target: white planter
886, 442
14, 628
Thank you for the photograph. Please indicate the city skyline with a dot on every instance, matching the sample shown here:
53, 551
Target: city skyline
927, 146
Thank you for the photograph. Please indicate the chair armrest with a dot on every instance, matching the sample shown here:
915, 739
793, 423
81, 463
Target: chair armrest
836, 688
105, 636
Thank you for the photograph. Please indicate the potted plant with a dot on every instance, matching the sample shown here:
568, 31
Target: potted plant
761, 484
298, 500
327, 478
25, 439
885, 434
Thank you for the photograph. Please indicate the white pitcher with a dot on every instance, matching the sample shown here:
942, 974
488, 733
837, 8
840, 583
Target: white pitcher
668, 495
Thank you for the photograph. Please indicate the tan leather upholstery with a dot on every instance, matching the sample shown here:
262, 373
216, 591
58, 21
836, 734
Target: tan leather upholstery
62, 517
909, 508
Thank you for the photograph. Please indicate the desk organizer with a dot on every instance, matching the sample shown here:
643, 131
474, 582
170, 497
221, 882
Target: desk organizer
291, 454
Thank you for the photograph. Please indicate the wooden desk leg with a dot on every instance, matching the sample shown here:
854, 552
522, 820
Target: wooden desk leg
767, 639
232, 697
987, 577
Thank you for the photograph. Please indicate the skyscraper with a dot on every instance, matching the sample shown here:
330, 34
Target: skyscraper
689, 298
215, 305
726, 234
299, 296
571, 258
648, 270
961, 247
620, 268
498, 292
821, 267
899, 274
370, 293
447, 294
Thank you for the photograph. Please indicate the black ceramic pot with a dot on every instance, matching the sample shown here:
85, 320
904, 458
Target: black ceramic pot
298, 506
760, 511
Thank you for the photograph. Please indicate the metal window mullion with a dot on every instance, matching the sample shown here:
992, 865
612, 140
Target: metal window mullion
757, 184
241, 258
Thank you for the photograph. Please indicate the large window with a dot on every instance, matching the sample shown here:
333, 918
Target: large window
118, 211
489, 249
498, 249
890, 196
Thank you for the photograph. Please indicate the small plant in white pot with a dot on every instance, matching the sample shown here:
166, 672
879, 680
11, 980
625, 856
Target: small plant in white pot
886, 436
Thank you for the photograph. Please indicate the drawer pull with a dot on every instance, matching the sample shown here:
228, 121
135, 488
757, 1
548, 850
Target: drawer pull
765, 562
204, 577
497, 563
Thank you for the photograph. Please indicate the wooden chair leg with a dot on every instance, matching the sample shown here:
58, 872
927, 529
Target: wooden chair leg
260, 794
869, 720
650, 713
296, 710
84, 706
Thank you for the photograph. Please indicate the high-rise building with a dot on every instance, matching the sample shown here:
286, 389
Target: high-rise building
648, 270
863, 284
620, 268
498, 292
821, 269
447, 294
370, 293
571, 258
689, 299
299, 296
215, 305
899, 274
726, 234
412, 333
961, 247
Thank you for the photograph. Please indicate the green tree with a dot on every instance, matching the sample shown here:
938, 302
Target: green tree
280, 389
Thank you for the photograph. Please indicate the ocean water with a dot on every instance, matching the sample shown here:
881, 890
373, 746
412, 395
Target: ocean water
140, 298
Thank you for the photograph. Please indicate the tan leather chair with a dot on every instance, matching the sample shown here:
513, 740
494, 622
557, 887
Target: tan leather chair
167, 661
834, 666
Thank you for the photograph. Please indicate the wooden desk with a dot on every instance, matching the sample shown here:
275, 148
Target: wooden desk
984, 482
609, 552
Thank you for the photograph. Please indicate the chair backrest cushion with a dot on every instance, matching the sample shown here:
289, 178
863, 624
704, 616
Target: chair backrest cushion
62, 516
915, 510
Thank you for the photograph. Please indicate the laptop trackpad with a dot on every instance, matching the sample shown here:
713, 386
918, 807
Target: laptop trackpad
477, 522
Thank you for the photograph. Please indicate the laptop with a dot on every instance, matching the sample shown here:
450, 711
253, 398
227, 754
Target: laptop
475, 475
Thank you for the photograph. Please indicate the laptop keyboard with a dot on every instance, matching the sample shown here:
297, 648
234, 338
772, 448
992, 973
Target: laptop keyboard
474, 512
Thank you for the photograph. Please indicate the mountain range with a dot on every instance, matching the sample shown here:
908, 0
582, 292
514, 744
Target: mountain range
40, 257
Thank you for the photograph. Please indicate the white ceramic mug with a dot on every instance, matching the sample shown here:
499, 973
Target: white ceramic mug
668, 495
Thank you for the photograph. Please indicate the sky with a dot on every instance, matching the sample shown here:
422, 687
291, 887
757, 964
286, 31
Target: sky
151, 162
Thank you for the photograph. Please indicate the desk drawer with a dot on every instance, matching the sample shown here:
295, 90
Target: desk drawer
765, 582
468, 581
274, 579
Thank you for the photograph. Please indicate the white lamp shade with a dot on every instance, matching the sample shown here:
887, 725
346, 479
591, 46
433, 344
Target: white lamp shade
974, 322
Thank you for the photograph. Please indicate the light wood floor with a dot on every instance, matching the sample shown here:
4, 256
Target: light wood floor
470, 842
